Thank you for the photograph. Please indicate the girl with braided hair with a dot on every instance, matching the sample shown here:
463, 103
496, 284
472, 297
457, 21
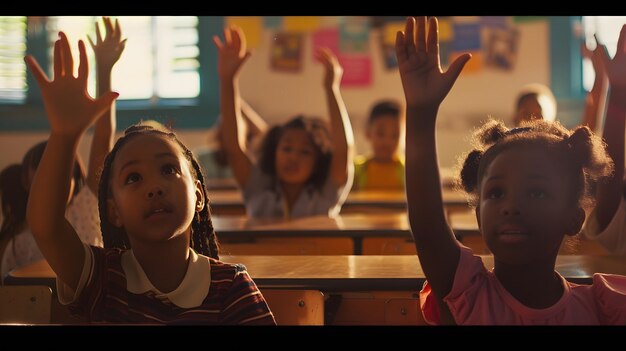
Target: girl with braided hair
528, 183
160, 260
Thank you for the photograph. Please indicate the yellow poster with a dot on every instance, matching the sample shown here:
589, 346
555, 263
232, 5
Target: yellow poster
300, 23
252, 27
390, 30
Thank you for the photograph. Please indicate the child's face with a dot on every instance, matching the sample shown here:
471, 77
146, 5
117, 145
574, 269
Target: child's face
530, 109
525, 206
296, 157
155, 195
384, 134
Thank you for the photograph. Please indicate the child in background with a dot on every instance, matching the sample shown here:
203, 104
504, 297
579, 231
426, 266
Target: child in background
160, 261
304, 167
607, 222
384, 170
82, 205
534, 101
528, 183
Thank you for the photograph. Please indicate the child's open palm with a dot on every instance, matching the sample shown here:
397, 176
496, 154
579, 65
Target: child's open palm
232, 52
69, 107
425, 85
109, 49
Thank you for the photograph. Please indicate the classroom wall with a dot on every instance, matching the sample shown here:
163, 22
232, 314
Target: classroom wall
277, 96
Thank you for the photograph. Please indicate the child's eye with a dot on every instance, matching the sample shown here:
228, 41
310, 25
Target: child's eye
169, 169
537, 194
495, 193
132, 178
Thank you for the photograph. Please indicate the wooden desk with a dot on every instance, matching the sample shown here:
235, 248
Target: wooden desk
229, 202
354, 226
348, 273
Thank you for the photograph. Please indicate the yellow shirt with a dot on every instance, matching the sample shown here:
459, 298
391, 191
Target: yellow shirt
373, 175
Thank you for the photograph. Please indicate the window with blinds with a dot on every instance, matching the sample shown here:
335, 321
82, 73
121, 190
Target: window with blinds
12, 66
160, 59
607, 29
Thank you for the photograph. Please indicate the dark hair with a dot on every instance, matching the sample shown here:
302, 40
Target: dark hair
384, 108
203, 239
580, 153
14, 189
318, 133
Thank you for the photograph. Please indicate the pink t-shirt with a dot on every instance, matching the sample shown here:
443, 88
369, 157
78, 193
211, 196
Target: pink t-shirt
477, 297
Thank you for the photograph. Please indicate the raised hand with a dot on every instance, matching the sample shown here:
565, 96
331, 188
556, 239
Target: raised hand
425, 85
109, 49
616, 67
332, 68
232, 52
69, 107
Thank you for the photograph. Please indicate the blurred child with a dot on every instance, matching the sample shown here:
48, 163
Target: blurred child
534, 101
160, 261
82, 204
607, 222
384, 169
528, 184
304, 167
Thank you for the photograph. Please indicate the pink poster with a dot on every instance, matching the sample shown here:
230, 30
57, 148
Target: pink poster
328, 37
357, 70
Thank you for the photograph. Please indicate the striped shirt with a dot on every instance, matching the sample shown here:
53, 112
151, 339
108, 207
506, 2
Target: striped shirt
103, 297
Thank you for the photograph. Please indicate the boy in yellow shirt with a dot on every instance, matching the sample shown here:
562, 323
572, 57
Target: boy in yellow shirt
384, 170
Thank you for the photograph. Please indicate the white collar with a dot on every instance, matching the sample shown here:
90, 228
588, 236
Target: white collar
190, 293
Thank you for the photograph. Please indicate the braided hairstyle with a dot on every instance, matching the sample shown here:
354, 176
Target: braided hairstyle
319, 133
579, 152
203, 239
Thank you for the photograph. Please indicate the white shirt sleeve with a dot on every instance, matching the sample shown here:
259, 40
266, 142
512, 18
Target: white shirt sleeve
613, 237
66, 294
83, 215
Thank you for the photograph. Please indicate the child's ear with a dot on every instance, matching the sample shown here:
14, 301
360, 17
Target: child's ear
113, 215
577, 222
199, 196
477, 211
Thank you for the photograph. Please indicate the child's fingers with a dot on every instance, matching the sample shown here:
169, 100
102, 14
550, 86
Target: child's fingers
433, 37
420, 42
93, 46
58, 65
457, 66
83, 67
108, 27
98, 35
66, 55
118, 29
400, 47
36, 70
409, 36
104, 102
218, 43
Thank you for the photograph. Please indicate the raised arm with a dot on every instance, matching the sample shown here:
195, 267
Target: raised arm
609, 193
342, 164
425, 87
254, 122
107, 52
597, 95
231, 56
70, 111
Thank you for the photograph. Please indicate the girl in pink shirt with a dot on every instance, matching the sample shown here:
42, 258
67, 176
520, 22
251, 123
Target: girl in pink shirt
529, 184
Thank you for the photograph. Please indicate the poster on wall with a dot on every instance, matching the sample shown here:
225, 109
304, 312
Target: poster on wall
501, 49
252, 27
286, 52
354, 34
357, 70
325, 38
